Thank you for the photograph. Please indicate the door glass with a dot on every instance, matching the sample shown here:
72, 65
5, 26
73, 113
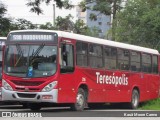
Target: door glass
67, 58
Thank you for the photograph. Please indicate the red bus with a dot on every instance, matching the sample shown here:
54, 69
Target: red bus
43, 66
2, 43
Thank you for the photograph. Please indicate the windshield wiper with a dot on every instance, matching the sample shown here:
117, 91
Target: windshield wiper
38, 50
19, 52
36, 53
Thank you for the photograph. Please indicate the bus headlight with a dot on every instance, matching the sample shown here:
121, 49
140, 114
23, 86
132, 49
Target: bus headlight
6, 85
50, 86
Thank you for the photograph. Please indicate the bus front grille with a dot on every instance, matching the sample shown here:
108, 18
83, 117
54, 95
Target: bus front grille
27, 83
28, 90
23, 95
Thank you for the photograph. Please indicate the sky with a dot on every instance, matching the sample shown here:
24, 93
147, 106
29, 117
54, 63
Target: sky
18, 9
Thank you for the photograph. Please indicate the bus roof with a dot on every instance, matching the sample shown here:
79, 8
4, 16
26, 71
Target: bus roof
96, 40
3, 38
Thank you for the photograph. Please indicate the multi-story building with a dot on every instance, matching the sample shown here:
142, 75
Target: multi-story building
102, 23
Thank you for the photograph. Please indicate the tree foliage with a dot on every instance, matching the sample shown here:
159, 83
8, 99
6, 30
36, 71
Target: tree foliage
35, 5
79, 26
9, 24
93, 31
22, 24
64, 24
3, 9
139, 23
106, 7
4, 22
47, 26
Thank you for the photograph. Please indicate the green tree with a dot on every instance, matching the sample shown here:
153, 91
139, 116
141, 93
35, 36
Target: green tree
79, 26
139, 23
35, 5
21, 24
107, 7
64, 24
47, 26
4, 21
90, 31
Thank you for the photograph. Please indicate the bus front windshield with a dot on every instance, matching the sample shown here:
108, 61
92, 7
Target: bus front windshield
30, 60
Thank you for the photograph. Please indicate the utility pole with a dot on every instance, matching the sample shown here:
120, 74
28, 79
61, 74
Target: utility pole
54, 15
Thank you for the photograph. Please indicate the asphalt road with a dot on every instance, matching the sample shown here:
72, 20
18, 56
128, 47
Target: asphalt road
17, 111
112, 112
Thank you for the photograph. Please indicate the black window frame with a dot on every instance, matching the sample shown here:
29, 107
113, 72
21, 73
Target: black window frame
91, 55
77, 53
134, 61
156, 65
110, 57
66, 68
144, 68
124, 66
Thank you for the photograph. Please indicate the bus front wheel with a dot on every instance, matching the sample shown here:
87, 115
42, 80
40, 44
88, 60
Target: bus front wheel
80, 101
134, 99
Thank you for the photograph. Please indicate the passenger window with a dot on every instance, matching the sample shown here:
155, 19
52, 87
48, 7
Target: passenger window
135, 61
146, 63
123, 59
155, 64
67, 58
95, 56
110, 57
82, 57
0, 64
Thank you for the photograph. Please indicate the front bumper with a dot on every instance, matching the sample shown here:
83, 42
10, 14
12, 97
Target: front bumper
8, 95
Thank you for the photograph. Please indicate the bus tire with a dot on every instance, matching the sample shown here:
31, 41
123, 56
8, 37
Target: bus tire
80, 101
134, 99
34, 106
24, 105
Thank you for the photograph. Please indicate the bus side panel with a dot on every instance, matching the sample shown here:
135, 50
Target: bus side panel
66, 84
149, 82
96, 90
153, 86
66, 92
143, 87
124, 87
159, 74
117, 91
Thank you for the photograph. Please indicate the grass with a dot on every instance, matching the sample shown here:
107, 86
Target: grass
151, 105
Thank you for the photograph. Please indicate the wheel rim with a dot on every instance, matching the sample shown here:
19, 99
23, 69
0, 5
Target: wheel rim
135, 99
80, 100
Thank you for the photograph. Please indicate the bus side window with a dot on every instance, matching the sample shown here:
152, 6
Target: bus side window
155, 64
123, 59
146, 63
135, 61
67, 58
0, 70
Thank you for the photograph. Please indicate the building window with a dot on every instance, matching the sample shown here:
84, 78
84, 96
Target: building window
99, 23
100, 31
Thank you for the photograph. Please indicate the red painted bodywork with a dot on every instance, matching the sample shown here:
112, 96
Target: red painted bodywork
68, 84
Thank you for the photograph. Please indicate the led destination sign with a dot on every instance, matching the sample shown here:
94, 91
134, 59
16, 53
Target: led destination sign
33, 36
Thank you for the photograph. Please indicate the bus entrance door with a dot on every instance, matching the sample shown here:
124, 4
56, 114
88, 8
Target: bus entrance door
66, 81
